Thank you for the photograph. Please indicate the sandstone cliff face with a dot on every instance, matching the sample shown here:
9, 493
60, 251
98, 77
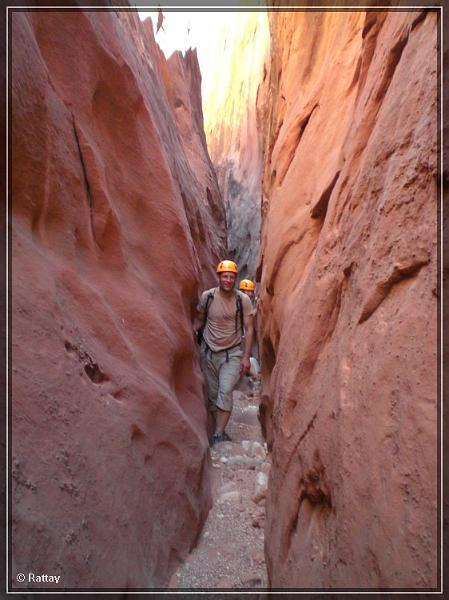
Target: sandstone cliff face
110, 476
231, 129
445, 289
348, 298
182, 82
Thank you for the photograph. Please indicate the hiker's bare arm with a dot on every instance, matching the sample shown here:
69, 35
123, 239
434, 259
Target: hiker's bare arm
249, 332
198, 320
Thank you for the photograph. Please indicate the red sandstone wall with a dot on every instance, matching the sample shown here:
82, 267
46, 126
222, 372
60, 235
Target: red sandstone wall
110, 476
445, 286
182, 82
349, 298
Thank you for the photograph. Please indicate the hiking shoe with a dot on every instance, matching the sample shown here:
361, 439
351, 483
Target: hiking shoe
217, 437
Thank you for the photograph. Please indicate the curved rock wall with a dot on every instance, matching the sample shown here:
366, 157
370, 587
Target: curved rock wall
182, 81
116, 222
445, 287
231, 129
349, 298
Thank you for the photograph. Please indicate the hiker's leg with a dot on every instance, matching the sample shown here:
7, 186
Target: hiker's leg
210, 371
229, 375
222, 420
211, 419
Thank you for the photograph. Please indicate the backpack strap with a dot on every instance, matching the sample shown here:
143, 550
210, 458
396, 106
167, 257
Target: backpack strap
239, 305
210, 297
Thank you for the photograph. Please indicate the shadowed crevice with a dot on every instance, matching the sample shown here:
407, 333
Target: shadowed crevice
382, 289
319, 209
85, 178
293, 140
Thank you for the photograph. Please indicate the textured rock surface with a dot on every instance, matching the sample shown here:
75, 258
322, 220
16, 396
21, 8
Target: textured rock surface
110, 470
231, 129
349, 307
445, 293
182, 81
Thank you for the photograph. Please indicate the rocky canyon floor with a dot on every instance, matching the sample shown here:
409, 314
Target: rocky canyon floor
230, 553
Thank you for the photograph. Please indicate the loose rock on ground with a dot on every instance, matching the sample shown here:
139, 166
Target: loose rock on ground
230, 553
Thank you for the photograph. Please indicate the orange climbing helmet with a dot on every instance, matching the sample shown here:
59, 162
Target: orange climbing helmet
247, 285
227, 266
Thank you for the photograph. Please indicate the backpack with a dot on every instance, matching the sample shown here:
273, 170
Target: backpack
239, 311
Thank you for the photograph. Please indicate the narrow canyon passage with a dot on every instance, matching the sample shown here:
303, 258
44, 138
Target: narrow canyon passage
301, 145
230, 553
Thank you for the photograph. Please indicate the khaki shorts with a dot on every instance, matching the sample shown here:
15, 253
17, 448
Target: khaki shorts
222, 373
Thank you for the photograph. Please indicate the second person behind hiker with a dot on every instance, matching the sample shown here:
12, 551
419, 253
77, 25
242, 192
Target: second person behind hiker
225, 322
248, 287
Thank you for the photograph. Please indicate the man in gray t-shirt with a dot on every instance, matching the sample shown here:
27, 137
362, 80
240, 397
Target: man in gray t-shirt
227, 334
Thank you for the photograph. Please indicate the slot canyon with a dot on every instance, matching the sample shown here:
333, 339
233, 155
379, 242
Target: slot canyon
312, 161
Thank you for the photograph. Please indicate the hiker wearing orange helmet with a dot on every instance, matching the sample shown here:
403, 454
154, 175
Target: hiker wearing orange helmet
224, 325
248, 287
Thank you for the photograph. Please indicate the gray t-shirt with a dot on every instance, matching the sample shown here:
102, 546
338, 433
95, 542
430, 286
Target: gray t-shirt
220, 331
